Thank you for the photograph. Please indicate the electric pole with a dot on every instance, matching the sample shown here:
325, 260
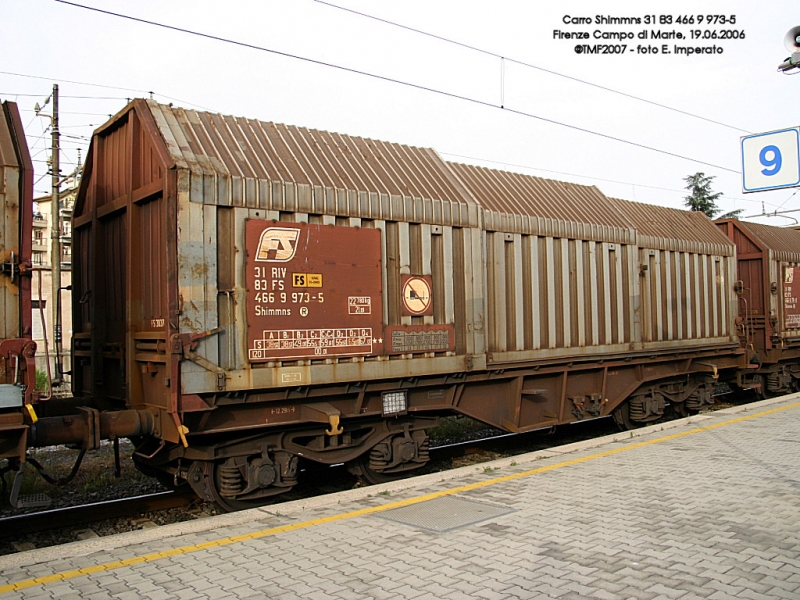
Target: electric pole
56, 244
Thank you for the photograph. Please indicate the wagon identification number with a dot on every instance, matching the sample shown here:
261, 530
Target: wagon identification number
791, 291
309, 288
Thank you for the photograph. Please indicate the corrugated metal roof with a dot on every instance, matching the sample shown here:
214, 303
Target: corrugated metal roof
246, 162
784, 241
674, 229
514, 193
527, 204
246, 151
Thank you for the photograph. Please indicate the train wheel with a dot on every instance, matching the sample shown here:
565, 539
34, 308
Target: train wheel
679, 410
361, 469
221, 485
622, 418
760, 387
392, 459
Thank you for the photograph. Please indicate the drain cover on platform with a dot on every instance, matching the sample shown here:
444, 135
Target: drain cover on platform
445, 514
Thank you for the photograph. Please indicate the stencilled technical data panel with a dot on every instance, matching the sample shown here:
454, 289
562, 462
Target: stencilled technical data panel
312, 291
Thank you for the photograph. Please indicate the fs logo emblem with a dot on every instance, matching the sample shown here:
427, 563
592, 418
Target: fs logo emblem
277, 244
789, 275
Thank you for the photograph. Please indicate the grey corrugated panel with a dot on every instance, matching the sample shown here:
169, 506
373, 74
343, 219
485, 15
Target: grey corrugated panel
429, 164
354, 151
217, 146
240, 130
514, 193
293, 139
236, 162
241, 153
783, 241
274, 165
411, 182
342, 159
342, 173
173, 147
673, 229
205, 152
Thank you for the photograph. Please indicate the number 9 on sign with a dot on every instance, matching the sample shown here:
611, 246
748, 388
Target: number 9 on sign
770, 157
771, 160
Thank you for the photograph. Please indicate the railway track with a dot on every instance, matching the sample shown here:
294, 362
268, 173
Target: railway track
88, 513
143, 510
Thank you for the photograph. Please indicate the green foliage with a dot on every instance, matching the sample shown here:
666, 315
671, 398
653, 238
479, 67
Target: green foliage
701, 199
41, 381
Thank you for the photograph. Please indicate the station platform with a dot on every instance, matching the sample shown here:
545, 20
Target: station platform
703, 507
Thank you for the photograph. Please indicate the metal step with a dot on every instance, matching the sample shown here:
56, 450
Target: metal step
28, 500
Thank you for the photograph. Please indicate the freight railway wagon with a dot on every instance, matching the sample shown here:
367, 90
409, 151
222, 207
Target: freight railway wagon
249, 295
17, 367
768, 319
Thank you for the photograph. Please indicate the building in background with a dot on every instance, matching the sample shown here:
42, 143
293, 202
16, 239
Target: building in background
41, 285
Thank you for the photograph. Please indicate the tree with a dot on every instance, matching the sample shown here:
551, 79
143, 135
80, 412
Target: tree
702, 199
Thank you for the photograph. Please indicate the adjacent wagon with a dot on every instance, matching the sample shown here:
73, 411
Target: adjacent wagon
768, 313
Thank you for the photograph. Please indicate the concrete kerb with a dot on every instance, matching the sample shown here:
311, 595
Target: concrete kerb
297, 507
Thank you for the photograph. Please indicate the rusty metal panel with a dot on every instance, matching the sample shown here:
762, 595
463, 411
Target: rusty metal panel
312, 291
120, 277
16, 198
197, 265
114, 174
13, 175
782, 242
569, 271
766, 257
791, 293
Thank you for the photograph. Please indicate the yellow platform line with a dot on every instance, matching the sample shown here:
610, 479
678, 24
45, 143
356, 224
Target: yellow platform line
110, 566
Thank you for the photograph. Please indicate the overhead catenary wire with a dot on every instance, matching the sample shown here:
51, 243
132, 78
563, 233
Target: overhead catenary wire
503, 58
101, 85
393, 80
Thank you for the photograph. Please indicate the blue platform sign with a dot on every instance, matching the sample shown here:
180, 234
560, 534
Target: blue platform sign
771, 160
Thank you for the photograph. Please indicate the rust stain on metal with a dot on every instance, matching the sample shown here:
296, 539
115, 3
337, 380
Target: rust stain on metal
312, 291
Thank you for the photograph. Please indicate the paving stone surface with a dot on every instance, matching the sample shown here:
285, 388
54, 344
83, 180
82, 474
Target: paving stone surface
668, 515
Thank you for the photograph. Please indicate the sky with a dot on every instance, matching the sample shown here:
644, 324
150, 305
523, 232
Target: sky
511, 93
